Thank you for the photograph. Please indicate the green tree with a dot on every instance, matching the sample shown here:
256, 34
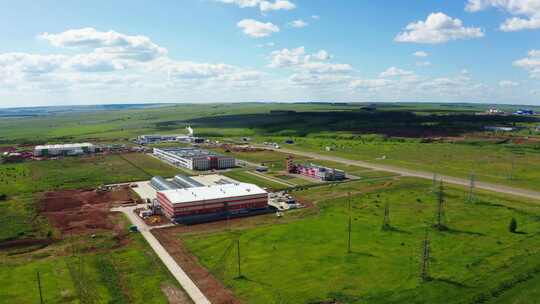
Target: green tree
513, 225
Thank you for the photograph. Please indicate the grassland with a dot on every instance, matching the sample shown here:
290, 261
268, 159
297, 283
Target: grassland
244, 176
86, 270
22, 182
306, 261
73, 173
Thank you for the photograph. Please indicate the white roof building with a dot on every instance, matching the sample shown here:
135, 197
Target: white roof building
212, 193
64, 146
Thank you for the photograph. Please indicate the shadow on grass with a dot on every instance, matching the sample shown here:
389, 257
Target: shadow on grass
365, 254
457, 231
450, 282
394, 229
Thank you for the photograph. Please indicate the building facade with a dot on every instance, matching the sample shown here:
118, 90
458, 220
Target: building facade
64, 149
229, 199
195, 159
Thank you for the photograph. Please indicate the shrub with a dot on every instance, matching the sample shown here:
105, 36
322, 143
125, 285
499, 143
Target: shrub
513, 225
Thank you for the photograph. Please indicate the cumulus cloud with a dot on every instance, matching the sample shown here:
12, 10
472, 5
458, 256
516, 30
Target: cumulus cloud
256, 29
420, 54
264, 6
310, 69
138, 47
437, 28
508, 83
531, 63
370, 83
423, 63
526, 13
395, 72
298, 23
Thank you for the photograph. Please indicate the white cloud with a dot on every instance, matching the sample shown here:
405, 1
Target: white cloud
508, 83
438, 28
256, 29
310, 69
276, 5
139, 48
298, 23
268, 44
526, 13
370, 83
23, 64
420, 54
395, 72
423, 63
264, 6
530, 63
315, 17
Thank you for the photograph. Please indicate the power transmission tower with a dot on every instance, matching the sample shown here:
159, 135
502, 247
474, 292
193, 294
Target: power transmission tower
386, 223
39, 287
424, 263
471, 187
440, 208
350, 225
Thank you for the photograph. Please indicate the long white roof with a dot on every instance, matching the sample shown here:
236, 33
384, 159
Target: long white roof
64, 146
212, 192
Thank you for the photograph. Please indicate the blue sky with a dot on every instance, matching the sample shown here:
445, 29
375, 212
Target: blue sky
86, 52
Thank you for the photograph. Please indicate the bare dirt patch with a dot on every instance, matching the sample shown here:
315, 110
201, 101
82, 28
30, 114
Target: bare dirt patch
82, 211
175, 295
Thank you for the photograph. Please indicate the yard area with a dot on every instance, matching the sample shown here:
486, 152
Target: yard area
306, 260
107, 268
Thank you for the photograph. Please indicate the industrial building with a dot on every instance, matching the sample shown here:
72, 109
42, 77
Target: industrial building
64, 149
315, 171
152, 139
207, 203
195, 159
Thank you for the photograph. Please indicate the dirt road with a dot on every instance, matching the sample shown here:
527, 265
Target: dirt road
420, 174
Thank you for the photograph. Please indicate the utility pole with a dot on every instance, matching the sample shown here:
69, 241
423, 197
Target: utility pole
471, 187
424, 265
386, 222
350, 225
39, 287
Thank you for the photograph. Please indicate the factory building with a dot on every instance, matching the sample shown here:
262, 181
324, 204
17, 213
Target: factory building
64, 149
151, 139
195, 159
213, 202
315, 171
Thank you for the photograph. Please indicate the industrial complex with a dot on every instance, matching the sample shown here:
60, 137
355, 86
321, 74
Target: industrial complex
315, 171
64, 149
195, 159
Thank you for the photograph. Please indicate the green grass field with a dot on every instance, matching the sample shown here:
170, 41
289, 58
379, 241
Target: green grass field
306, 261
506, 164
73, 173
85, 270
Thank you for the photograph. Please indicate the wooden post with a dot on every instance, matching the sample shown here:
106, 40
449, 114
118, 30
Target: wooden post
39, 287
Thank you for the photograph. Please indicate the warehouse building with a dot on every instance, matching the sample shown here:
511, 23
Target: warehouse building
195, 159
315, 171
65, 149
214, 202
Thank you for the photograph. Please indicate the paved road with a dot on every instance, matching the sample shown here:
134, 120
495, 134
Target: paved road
421, 174
191, 289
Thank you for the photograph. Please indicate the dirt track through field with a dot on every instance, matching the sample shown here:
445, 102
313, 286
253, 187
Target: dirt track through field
420, 174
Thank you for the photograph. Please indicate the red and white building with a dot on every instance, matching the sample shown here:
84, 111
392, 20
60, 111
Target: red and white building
212, 199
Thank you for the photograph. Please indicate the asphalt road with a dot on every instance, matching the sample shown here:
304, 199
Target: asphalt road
187, 284
420, 174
